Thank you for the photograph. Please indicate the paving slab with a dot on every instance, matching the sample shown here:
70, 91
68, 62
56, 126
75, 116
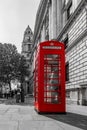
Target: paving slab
45, 125
78, 109
17, 117
8, 125
5, 117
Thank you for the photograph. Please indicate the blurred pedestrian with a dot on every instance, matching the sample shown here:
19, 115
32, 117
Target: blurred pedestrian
18, 94
22, 93
7, 93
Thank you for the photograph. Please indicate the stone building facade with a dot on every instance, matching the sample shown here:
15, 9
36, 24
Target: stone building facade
26, 52
75, 31
66, 21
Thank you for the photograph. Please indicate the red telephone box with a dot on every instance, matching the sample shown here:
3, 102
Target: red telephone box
49, 77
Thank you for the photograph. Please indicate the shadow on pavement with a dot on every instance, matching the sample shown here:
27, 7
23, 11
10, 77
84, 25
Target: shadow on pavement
71, 119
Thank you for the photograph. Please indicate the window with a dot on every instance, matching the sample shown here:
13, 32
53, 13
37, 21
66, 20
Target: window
67, 10
28, 32
67, 71
28, 39
50, 1
52, 78
47, 35
68, 94
65, 41
68, 13
66, 1
69, 5
28, 55
29, 47
47, 27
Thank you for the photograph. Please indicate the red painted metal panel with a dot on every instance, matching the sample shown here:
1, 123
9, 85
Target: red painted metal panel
49, 77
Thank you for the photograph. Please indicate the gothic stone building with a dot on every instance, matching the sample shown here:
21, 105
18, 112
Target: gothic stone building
26, 52
66, 21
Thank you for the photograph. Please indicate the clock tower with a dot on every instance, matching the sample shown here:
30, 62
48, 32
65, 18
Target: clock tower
26, 52
27, 43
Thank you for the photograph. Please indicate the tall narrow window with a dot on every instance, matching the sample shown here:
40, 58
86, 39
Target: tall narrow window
65, 41
50, 1
69, 5
47, 26
67, 71
29, 47
68, 13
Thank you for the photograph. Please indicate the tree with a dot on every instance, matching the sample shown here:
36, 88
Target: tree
22, 69
7, 52
12, 64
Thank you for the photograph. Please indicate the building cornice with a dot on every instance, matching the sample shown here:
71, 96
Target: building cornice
72, 18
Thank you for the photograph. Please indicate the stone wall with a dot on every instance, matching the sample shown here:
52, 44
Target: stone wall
78, 27
76, 55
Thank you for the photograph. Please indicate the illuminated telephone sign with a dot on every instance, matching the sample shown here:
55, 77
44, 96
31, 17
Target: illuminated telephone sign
49, 77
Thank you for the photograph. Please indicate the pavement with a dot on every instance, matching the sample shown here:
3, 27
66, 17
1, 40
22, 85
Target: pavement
22, 116
77, 109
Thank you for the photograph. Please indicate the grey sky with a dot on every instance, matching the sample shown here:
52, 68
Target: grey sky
15, 16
